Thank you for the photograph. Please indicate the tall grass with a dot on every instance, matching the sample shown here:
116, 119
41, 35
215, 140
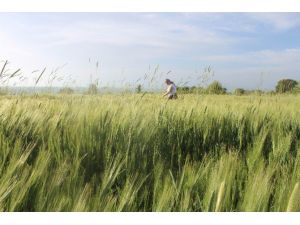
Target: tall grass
143, 153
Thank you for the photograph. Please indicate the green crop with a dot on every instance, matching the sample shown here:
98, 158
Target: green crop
139, 152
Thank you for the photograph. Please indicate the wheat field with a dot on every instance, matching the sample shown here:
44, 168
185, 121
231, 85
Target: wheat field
140, 152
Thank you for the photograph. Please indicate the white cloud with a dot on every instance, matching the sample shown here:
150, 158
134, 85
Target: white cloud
144, 31
279, 21
279, 58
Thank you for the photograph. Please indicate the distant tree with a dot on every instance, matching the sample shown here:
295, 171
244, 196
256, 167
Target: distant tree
93, 89
184, 89
193, 88
138, 89
285, 85
239, 91
216, 88
199, 90
190, 90
259, 92
66, 90
296, 89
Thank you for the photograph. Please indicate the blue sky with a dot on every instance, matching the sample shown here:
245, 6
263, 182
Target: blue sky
248, 50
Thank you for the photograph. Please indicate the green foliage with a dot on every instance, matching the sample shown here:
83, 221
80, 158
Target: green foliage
239, 91
190, 90
258, 92
66, 90
285, 85
296, 89
294, 201
184, 89
216, 88
118, 153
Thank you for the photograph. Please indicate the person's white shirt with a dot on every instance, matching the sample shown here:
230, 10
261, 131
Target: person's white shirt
171, 89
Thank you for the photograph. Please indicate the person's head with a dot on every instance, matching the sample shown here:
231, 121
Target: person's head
168, 81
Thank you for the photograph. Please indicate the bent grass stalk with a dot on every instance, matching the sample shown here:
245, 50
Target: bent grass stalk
132, 153
294, 201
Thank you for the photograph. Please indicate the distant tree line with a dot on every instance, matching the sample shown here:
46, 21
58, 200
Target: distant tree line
283, 86
214, 88
92, 90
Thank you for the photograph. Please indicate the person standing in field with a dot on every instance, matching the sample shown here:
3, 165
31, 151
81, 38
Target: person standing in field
171, 89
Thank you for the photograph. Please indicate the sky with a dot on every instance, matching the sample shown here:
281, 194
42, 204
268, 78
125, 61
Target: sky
243, 50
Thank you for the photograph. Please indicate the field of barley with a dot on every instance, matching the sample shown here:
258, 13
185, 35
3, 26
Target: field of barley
139, 152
